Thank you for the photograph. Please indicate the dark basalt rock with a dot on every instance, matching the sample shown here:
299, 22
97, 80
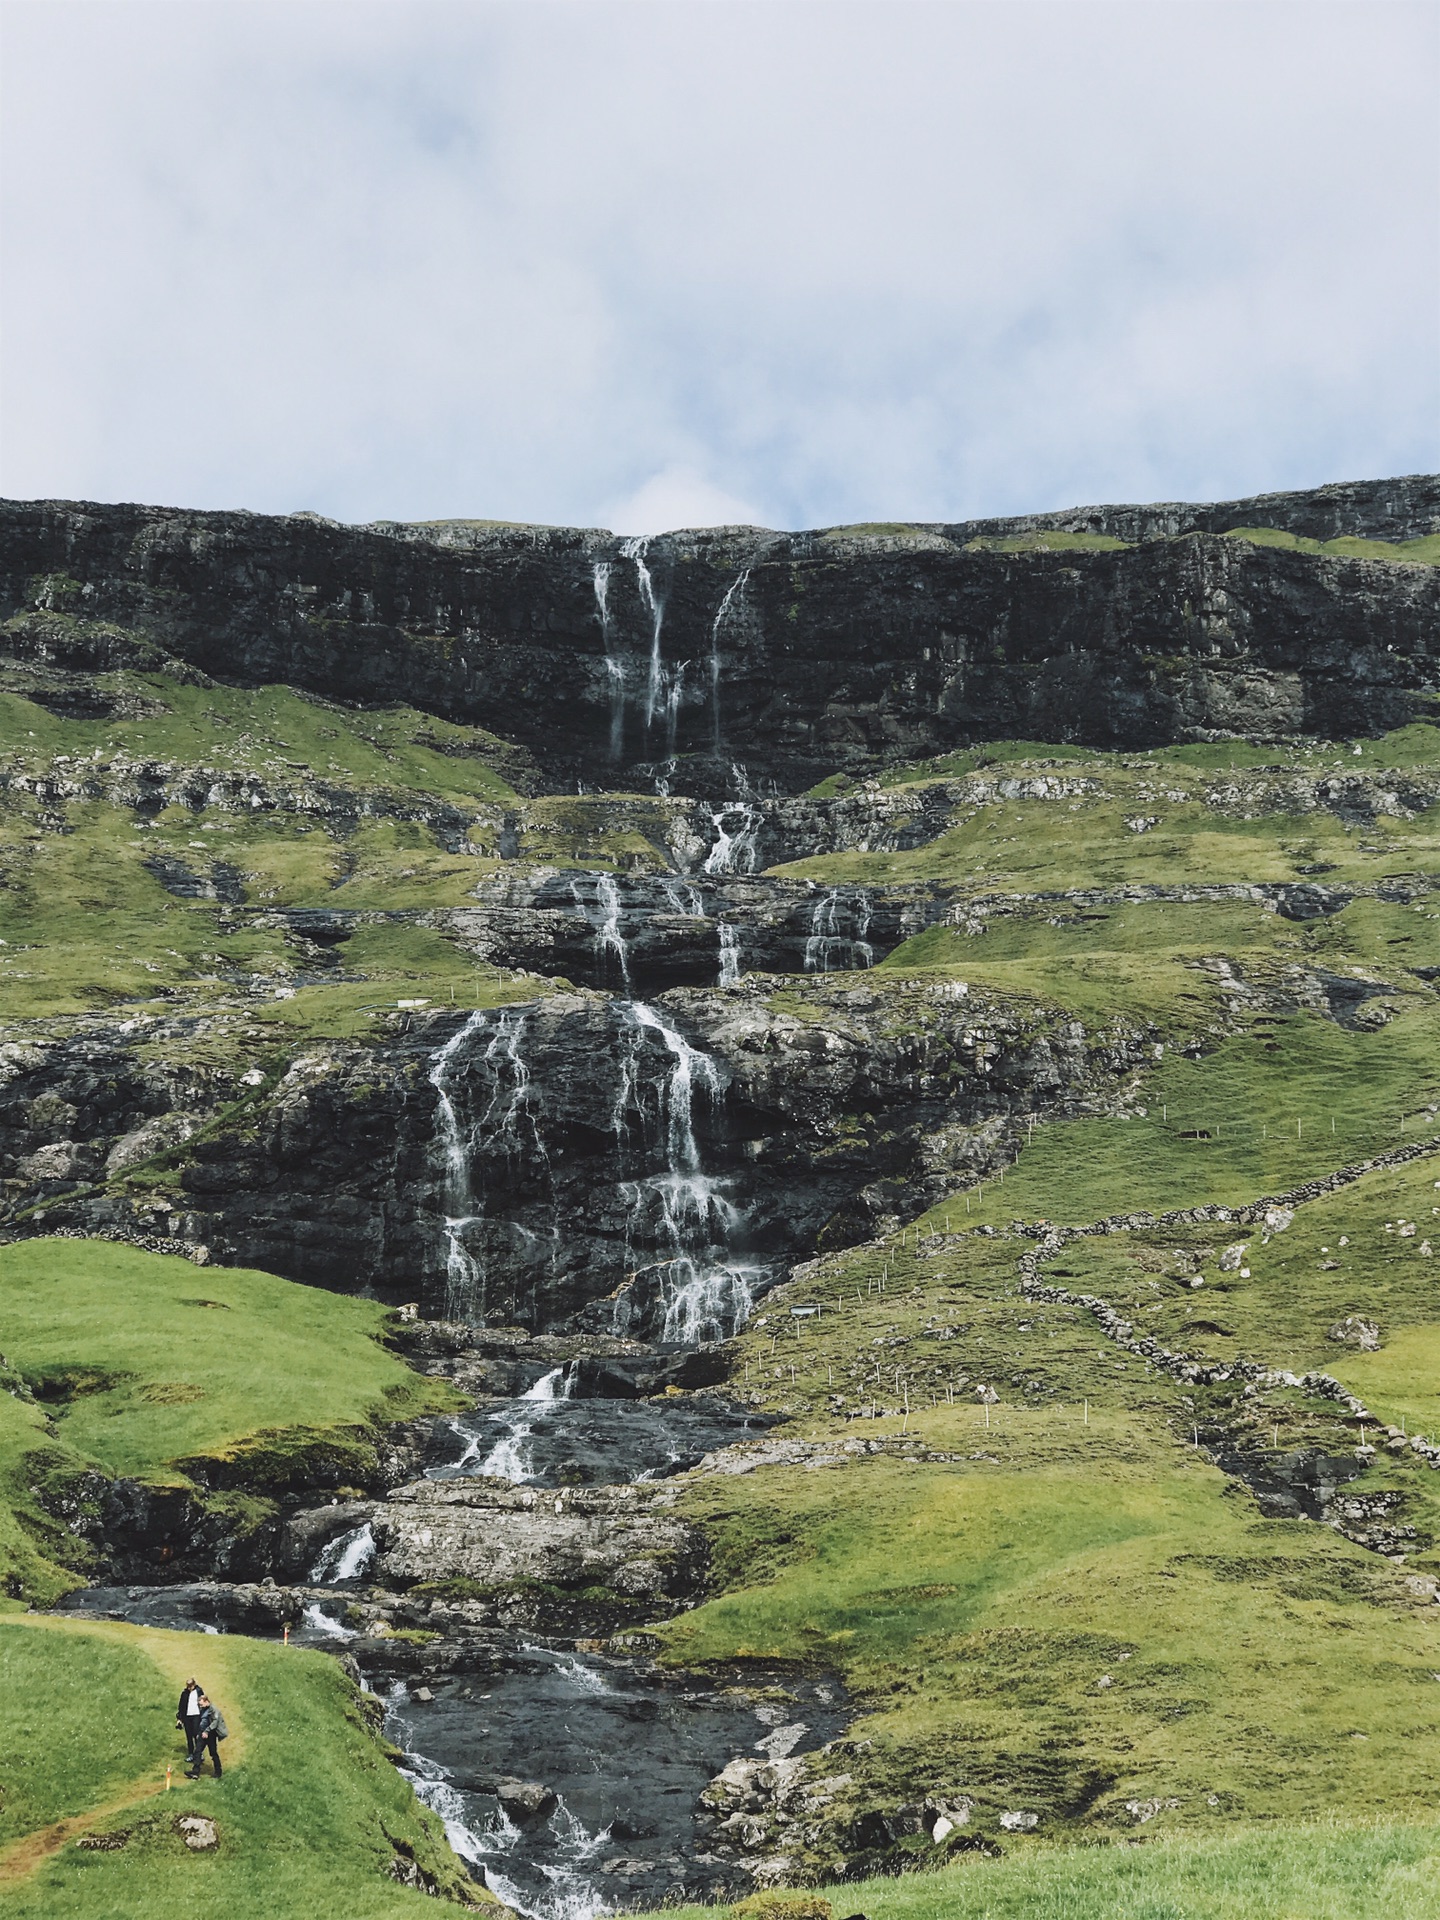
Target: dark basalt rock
843, 649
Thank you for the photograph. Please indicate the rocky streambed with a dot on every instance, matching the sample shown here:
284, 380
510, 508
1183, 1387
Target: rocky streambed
496, 1605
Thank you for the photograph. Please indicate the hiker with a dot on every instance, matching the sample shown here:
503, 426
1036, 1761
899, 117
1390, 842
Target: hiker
210, 1732
187, 1715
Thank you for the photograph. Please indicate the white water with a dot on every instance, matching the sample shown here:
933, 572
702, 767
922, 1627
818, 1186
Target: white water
509, 1457
736, 849
319, 1621
570, 1893
682, 1211
635, 550
345, 1558
684, 899
831, 950
614, 665
464, 1279
729, 954
507, 1127
604, 914
733, 595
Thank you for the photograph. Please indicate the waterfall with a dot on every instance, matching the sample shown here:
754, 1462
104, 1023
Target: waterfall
604, 914
320, 1622
464, 1279
509, 1458
729, 953
507, 1127
683, 898
345, 1558
737, 829
733, 593
635, 550
829, 949
674, 690
682, 1211
614, 666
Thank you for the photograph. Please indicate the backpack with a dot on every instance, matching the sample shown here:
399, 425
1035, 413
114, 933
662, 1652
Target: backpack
222, 1732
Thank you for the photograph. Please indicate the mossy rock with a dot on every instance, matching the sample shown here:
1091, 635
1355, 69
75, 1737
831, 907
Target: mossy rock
782, 1906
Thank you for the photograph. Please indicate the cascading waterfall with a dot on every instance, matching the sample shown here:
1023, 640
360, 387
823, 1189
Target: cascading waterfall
605, 913
464, 1278
831, 949
729, 953
684, 899
636, 550
345, 1558
682, 1212
508, 1458
507, 1129
614, 665
737, 831
734, 593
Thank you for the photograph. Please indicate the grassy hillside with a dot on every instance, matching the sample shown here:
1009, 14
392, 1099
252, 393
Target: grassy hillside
310, 1814
141, 1364
1056, 1603
1303, 1872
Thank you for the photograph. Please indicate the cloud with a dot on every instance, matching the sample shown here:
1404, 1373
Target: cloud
754, 259
679, 497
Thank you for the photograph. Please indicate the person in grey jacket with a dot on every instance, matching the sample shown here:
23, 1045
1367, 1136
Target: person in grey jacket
210, 1732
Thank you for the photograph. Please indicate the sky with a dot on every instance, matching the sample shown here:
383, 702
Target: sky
652, 263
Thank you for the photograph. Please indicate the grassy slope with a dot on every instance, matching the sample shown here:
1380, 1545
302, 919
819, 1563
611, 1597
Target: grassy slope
975, 1604
306, 1812
1305, 1872
200, 1360
144, 1362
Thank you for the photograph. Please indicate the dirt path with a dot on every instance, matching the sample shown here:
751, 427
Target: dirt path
175, 1656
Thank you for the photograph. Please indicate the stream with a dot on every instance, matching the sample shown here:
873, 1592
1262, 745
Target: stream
568, 1772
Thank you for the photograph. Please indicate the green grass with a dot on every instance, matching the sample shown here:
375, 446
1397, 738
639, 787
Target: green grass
1423, 552
1047, 540
1270, 1112
79, 1719
201, 1359
974, 1603
307, 1810
1304, 1871
275, 731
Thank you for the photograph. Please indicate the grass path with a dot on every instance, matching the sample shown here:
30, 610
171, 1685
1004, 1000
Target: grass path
173, 1657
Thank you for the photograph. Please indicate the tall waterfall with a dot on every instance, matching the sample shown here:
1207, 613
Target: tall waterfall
464, 1277
636, 550
604, 910
614, 665
729, 953
680, 1214
838, 926
733, 595
507, 1130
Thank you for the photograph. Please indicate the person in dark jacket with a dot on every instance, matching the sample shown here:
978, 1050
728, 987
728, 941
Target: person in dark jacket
187, 1716
210, 1732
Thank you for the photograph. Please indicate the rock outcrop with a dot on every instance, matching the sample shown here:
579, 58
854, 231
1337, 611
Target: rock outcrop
796, 653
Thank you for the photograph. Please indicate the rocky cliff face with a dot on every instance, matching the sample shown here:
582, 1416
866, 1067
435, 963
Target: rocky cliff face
644, 1166
617, 663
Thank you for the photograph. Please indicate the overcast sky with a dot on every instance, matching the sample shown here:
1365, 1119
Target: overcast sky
645, 263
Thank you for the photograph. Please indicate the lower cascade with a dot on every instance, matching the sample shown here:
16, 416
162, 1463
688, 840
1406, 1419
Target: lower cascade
838, 926
654, 1218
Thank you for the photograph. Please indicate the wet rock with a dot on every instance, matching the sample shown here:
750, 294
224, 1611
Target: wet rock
522, 1799
596, 1537
842, 648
